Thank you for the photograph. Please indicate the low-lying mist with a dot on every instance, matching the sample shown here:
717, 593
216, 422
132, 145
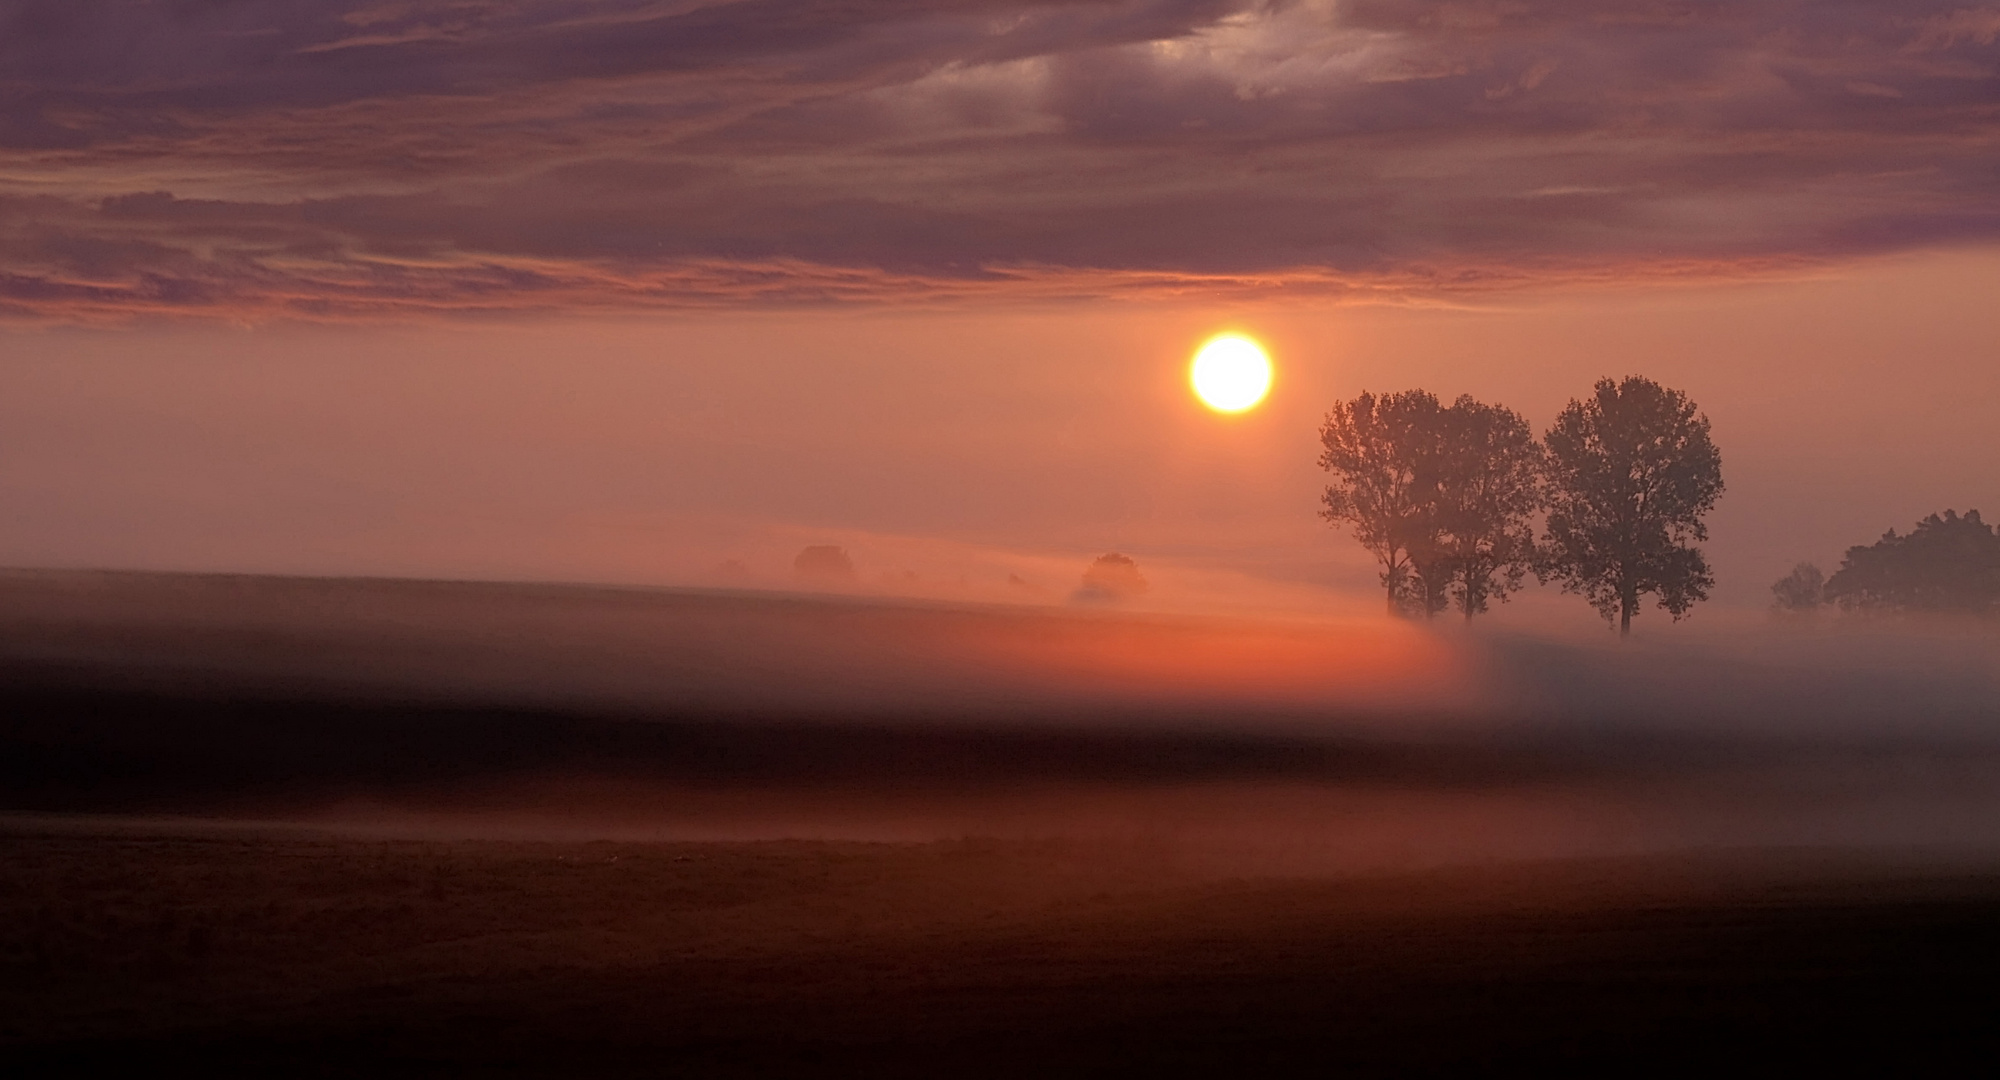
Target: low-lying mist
684, 654
469, 709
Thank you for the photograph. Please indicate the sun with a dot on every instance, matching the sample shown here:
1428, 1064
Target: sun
1230, 373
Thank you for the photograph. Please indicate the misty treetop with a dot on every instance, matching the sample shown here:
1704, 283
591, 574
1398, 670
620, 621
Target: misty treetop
1631, 473
1441, 495
1804, 589
1490, 485
1445, 497
1947, 563
824, 563
1109, 579
1374, 449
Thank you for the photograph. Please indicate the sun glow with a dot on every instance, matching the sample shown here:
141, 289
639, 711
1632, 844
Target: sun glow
1230, 373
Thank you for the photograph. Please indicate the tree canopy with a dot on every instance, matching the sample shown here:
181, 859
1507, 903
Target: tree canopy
1631, 473
1947, 563
1379, 450
1442, 495
1489, 487
1802, 590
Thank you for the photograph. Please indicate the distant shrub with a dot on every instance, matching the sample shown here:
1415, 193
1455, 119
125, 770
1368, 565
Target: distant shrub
824, 563
1803, 590
1110, 579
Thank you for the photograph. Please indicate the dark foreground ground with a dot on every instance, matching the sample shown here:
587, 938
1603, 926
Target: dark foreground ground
243, 952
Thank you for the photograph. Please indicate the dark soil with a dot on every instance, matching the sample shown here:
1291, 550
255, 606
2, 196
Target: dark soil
240, 952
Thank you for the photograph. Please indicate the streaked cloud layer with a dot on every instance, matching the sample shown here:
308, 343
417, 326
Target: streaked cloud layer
271, 157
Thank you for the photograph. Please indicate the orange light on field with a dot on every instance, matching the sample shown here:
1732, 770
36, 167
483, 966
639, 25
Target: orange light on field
1230, 373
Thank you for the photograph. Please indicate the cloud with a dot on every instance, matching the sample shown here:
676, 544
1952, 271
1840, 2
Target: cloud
266, 159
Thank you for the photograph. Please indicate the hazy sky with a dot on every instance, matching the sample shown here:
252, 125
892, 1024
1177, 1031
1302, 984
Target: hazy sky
621, 290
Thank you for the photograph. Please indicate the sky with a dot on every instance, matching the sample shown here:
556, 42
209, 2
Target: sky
628, 291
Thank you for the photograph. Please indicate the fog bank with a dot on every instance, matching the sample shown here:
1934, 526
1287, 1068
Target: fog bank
712, 654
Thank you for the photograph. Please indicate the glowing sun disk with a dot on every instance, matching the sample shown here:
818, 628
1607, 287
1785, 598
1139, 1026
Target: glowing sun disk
1230, 373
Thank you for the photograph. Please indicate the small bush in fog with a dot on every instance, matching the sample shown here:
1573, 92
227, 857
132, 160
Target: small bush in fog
1801, 591
1110, 579
824, 563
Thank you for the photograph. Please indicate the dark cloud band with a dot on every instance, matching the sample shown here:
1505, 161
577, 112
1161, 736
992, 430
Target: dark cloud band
441, 155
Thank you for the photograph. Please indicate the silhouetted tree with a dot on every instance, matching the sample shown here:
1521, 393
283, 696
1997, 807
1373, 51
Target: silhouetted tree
1631, 471
1382, 454
1441, 495
1947, 563
1427, 588
1802, 590
1489, 486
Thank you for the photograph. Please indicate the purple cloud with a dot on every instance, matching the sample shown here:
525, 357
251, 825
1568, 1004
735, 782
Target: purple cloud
437, 156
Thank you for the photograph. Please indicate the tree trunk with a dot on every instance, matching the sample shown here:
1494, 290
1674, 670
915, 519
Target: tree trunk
1628, 603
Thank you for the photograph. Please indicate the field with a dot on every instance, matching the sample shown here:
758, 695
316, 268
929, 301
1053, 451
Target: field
280, 828
318, 955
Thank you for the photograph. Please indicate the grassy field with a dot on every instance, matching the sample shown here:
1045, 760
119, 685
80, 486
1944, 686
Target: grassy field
282, 827
283, 952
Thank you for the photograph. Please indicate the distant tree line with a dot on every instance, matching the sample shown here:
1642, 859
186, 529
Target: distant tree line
1447, 497
1947, 564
